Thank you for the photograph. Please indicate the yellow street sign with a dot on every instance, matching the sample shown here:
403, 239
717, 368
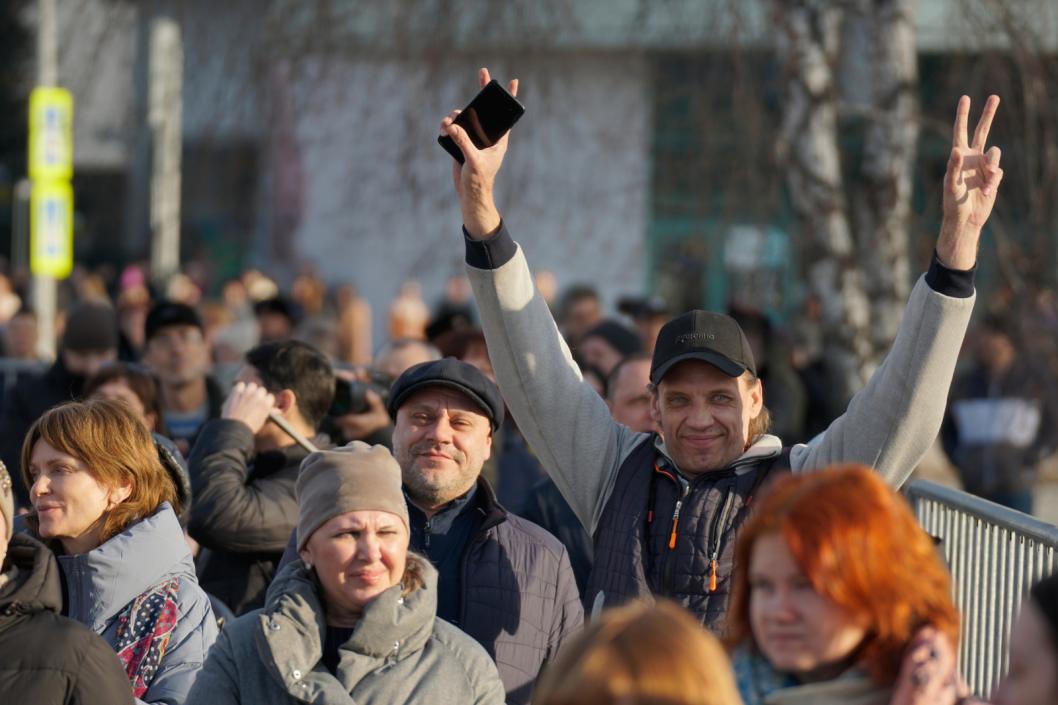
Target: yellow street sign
50, 134
51, 229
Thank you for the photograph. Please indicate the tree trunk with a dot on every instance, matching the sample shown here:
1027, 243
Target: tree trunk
808, 44
883, 190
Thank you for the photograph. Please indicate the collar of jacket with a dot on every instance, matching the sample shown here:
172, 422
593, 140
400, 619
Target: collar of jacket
290, 633
62, 378
101, 582
759, 683
441, 522
33, 583
766, 446
495, 513
269, 462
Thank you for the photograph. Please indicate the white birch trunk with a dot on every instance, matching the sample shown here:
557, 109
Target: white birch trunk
808, 44
883, 190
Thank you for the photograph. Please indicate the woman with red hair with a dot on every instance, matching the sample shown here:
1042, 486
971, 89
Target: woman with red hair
842, 598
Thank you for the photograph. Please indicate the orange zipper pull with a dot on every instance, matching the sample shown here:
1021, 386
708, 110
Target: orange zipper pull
712, 576
675, 523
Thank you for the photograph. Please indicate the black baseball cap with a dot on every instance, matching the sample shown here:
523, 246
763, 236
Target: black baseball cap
706, 336
453, 373
170, 313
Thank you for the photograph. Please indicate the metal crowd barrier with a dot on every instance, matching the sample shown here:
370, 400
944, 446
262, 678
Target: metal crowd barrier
995, 554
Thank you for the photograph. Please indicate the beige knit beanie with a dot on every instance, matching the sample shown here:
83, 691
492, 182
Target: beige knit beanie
354, 477
7, 500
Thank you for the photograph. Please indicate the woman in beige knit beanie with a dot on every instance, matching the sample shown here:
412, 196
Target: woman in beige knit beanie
357, 615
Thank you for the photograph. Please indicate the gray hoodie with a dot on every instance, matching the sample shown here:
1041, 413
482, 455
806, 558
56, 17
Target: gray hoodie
399, 652
102, 582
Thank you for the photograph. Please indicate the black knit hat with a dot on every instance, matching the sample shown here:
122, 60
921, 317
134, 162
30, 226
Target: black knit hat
449, 372
702, 335
90, 326
623, 340
170, 313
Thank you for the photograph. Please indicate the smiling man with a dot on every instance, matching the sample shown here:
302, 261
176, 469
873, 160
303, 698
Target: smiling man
664, 508
503, 580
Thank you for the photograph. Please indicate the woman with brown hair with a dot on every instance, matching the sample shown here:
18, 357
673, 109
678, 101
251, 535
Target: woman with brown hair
104, 503
841, 598
640, 654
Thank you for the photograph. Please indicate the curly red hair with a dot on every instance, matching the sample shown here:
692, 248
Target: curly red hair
859, 545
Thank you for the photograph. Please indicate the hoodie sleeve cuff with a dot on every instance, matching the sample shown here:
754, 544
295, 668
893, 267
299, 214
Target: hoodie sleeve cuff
492, 252
956, 283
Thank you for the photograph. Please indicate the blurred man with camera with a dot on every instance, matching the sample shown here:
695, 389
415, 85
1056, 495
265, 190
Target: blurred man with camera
243, 469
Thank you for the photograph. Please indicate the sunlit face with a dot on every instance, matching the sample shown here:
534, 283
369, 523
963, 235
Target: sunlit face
178, 354
70, 502
798, 630
704, 415
630, 398
1033, 675
357, 556
118, 390
441, 439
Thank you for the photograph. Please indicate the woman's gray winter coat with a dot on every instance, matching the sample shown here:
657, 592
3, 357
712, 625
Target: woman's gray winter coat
399, 652
101, 584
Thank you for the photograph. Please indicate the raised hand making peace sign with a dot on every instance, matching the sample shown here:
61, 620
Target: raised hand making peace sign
970, 187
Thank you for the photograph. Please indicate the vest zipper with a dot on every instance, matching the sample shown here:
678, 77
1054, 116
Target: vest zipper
669, 559
716, 533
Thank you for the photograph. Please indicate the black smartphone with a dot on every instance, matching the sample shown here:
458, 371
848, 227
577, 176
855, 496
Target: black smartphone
488, 118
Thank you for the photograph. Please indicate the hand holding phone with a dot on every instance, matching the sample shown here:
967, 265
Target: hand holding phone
486, 120
474, 180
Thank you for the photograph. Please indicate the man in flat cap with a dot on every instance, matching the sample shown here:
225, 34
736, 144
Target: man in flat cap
503, 580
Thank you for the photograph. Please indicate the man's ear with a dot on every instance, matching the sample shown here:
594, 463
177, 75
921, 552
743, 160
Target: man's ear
286, 402
755, 391
488, 448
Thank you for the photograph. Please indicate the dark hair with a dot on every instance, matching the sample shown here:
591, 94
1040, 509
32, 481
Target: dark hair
1045, 595
143, 383
299, 367
278, 305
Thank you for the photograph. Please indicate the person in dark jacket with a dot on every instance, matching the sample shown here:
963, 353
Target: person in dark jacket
45, 658
664, 508
176, 350
1001, 419
503, 580
89, 341
243, 469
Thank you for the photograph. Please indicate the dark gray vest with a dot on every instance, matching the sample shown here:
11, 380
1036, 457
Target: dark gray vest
666, 536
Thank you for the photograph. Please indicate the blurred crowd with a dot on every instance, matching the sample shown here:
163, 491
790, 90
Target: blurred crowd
516, 496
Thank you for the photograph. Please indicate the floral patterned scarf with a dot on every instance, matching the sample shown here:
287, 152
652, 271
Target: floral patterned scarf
144, 630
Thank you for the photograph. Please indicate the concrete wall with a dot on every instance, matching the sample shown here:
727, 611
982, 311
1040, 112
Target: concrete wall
379, 201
